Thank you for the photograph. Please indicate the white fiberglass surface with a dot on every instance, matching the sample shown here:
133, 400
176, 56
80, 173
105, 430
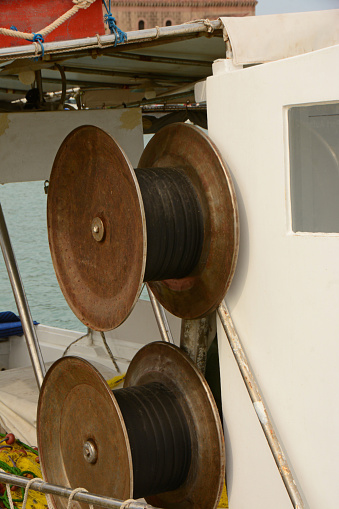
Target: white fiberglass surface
285, 293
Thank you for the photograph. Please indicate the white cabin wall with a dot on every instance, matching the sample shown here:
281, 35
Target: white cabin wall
29, 141
285, 294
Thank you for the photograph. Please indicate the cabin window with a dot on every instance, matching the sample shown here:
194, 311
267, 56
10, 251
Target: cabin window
141, 24
314, 167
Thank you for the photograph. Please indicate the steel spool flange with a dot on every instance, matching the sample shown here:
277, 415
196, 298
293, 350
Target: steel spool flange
85, 438
200, 292
98, 230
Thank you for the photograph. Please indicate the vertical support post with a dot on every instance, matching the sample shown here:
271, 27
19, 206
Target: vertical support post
196, 337
38, 79
161, 318
21, 302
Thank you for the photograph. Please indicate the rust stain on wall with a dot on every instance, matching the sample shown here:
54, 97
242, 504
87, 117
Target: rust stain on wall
4, 123
130, 119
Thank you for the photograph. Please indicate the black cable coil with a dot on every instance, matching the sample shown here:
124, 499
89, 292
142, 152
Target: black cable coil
174, 223
159, 437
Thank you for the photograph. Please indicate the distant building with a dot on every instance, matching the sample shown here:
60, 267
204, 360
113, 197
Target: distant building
140, 14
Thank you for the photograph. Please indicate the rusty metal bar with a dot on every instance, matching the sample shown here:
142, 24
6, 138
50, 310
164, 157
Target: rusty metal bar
260, 408
84, 83
60, 491
9, 90
161, 100
137, 76
161, 318
21, 302
162, 60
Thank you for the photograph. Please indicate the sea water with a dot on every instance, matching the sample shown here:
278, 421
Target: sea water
24, 207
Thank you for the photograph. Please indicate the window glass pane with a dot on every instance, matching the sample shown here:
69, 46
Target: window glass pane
314, 168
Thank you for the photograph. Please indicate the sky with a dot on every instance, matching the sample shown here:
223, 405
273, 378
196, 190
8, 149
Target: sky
280, 6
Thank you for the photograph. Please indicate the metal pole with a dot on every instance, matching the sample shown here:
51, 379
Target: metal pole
260, 408
60, 491
161, 318
146, 35
21, 302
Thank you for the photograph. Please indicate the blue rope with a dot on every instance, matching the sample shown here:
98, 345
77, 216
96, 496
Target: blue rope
120, 36
36, 38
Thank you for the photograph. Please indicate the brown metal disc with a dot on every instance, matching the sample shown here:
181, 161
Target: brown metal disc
96, 228
76, 407
187, 147
166, 363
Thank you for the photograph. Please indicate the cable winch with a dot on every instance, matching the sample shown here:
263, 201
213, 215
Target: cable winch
172, 222
160, 437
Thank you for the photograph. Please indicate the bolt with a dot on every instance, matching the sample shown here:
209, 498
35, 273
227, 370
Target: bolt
97, 228
90, 451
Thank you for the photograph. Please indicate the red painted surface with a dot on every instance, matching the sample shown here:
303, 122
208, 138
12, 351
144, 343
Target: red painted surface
34, 15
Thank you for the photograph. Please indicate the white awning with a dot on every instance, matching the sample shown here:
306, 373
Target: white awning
153, 62
258, 39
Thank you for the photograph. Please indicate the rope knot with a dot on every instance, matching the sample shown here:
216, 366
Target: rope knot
120, 36
208, 24
38, 39
127, 503
110, 20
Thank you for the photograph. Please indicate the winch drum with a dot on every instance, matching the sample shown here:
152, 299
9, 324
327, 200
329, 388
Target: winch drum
172, 222
160, 437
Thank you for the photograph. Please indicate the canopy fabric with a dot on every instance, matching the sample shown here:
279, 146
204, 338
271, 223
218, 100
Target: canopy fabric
259, 39
154, 65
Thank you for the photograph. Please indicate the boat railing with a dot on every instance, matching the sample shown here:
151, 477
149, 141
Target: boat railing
80, 496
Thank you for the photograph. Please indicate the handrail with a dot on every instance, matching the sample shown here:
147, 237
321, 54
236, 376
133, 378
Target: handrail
161, 318
137, 36
21, 302
260, 408
80, 496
